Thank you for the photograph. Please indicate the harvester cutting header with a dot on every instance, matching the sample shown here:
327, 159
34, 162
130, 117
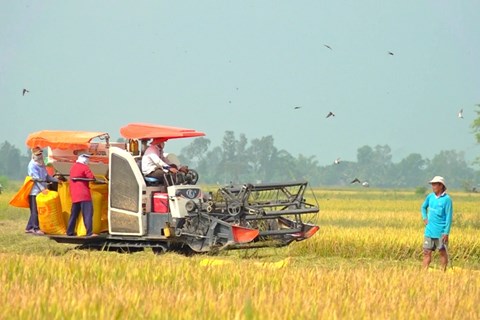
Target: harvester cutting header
133, 211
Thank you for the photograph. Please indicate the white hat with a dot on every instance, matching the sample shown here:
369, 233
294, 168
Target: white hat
438, 179
85, 154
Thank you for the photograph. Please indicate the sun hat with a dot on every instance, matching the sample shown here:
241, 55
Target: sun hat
438, 179
85, 154
37, 151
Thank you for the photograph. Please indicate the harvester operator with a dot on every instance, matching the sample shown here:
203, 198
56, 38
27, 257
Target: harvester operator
156, 165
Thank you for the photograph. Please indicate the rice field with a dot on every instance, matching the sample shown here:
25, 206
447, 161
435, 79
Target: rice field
364, 263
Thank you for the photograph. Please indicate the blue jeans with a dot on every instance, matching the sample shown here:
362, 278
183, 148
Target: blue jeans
87, 211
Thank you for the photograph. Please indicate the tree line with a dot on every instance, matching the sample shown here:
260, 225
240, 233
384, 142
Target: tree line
238, 160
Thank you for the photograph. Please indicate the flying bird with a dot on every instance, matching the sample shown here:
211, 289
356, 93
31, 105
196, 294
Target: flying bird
330, 114
296, 108
327, 46
25, 91
364, 184
460, 113
390, 53
337, 161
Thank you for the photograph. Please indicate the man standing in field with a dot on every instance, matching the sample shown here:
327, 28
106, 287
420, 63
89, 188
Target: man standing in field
437, 211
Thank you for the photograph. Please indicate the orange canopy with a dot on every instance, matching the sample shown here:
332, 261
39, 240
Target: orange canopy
66, 140
149, 131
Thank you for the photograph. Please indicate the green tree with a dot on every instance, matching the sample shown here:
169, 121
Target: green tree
410, 171
261, 155
451, 165
476, 124
210, 169
12, 163
476, 130
282, 167
338, 174
306, 168
234, 161
195, 152
374, 165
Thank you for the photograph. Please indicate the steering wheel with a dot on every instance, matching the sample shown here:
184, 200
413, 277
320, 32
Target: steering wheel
191, 176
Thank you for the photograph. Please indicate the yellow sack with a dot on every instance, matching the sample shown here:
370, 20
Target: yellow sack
97, 216
65, 200
20, 199
103, 189
50, 216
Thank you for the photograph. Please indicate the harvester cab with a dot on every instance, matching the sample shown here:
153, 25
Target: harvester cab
138, 212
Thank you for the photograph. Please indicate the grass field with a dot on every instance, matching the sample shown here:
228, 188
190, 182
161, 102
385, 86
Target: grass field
363, 263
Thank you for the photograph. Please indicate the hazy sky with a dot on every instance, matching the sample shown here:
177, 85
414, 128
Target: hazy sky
244, 66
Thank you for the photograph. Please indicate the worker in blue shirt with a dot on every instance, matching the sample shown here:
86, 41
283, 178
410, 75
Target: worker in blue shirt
40, 176
437, 211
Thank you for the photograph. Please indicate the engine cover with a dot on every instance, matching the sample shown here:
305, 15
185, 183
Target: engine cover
179, 195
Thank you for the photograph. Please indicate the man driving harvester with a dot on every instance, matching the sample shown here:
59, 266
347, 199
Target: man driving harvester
156, 165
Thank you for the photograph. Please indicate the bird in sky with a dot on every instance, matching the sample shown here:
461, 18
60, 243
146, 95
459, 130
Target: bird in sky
330, 114
390, 53
364, 183
25, 91
327, 46
296, 108
460, 114
337, 161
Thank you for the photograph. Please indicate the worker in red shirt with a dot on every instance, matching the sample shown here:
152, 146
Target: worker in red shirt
80, 175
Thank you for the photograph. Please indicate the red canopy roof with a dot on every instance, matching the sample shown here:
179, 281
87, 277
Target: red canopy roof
149, 131
66, 140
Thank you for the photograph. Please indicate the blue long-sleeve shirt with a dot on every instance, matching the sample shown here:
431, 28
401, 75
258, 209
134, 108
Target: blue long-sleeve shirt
40, 177
438, 211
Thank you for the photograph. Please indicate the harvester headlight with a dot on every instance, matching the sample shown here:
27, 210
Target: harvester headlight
190, 206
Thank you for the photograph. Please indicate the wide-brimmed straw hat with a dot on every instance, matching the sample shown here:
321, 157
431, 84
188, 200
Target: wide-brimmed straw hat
438, 179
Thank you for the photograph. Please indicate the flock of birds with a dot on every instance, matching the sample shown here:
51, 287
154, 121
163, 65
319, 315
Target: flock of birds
331, 114
338, 160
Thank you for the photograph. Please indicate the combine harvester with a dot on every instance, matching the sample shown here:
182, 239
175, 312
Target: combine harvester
143, 213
